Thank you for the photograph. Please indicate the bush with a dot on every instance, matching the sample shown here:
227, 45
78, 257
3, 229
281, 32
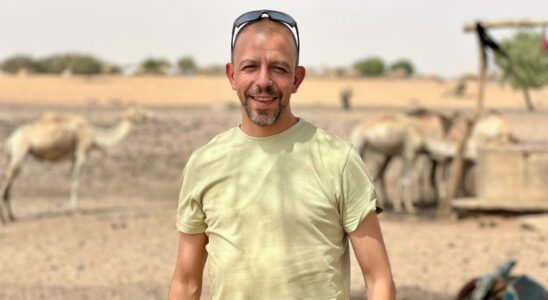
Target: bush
16, 63
404, 66
187, 65
371, 67
72, 62
156, 66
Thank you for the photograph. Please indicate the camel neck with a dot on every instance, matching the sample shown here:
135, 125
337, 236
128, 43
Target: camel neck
106, 138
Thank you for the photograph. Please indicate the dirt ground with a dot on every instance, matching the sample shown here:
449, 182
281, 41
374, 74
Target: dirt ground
122, 243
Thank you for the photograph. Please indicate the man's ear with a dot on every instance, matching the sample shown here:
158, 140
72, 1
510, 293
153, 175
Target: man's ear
300, 72
229, 70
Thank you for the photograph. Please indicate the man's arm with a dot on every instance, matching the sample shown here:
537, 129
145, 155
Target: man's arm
371, 253
186, 283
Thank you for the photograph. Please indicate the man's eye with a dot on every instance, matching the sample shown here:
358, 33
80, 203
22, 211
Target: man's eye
280, 69
248, 67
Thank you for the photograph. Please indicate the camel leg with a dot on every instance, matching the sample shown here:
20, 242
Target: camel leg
380, 177
441, 178
433, 175
79, 160
11, 171
405, 185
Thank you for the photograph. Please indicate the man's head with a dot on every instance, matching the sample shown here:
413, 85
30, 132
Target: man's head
264, 72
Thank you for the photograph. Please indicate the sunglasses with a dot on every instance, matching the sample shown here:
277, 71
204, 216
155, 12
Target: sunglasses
257, 15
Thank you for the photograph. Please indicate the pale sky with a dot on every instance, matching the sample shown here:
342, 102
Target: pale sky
333, 33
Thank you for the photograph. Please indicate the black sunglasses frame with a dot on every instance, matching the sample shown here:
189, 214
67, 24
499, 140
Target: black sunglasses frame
257, 15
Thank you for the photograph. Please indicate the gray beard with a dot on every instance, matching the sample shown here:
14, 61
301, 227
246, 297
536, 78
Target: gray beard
260, 117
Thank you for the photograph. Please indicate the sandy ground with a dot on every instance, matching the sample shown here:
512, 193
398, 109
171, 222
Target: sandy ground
122, 244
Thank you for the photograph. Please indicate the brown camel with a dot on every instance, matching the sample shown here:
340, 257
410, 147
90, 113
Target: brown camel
56, 136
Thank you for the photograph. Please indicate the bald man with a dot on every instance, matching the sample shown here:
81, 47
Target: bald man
272, 203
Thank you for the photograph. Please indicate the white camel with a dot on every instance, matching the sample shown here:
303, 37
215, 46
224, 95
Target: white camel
56, 136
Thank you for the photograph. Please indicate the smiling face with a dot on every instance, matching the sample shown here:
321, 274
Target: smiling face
264, 74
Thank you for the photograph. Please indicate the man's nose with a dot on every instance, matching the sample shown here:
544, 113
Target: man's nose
263, 78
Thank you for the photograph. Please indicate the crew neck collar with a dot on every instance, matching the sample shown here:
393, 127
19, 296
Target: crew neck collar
268, 139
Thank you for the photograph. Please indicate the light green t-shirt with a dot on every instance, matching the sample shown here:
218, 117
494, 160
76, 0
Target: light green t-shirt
276, 211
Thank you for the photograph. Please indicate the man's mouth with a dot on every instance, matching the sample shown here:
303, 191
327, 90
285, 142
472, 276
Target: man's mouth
264, 100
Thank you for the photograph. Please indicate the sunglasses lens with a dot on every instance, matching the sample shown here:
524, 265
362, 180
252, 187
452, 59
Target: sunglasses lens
247, 17
281, 17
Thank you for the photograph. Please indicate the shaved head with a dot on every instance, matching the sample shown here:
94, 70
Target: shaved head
267, 28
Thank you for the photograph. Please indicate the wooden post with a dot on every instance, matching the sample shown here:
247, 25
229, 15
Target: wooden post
444, 207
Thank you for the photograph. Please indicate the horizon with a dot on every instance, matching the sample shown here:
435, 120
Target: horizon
427, 33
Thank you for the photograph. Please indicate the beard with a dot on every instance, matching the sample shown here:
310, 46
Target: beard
264, 117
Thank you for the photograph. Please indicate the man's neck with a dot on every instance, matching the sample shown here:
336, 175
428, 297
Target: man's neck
284, 122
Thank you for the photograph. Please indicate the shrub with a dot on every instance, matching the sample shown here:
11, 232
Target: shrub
372, 67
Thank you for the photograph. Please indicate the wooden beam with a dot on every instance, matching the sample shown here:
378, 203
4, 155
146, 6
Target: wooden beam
506, 24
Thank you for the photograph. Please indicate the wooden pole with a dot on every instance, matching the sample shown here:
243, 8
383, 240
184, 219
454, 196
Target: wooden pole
506, 24
444, 207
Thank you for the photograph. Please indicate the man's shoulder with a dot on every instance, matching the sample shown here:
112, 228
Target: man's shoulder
328, 140
216, 146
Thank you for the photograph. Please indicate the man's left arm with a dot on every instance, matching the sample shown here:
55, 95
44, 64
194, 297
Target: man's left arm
371, 254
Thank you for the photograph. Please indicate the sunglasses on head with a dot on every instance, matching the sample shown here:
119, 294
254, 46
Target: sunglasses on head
257, 15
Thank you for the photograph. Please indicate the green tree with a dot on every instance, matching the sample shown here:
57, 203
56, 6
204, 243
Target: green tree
371, 67
187, 65
404, 66
527, 67
18, 62
74, 62
156, 66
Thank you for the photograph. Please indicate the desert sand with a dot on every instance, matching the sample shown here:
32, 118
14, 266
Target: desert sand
122, 243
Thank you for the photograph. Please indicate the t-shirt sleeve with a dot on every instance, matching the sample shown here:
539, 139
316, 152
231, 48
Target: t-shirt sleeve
358, 197
190, 215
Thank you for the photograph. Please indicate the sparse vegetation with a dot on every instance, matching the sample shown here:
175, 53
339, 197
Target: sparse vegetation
187, 65
18, 63
70, 62
403, 65
155, 66
370, 67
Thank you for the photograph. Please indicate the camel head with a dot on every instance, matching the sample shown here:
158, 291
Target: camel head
138, 115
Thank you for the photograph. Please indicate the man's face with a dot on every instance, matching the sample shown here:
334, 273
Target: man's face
264, 73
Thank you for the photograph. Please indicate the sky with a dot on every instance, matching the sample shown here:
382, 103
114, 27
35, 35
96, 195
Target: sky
333, 33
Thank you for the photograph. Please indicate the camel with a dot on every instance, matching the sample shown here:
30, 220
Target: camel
491, 129
422, 132
56, 136
401, 135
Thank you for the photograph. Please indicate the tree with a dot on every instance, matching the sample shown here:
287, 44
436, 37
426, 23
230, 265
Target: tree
404, 66
187, 65
372, 67
74, 62
527, 66
17, 63
156, 66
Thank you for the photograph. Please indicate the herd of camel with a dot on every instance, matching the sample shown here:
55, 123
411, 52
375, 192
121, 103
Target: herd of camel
425, 132
56, 136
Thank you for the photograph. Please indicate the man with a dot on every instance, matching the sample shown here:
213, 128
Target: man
271, 204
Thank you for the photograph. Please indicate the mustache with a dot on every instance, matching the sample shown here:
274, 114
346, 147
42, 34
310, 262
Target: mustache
264, 91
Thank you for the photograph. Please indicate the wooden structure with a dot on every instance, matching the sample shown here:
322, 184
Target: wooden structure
484, 42
510, 178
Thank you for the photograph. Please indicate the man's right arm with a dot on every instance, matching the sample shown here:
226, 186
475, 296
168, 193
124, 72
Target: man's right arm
186, 283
